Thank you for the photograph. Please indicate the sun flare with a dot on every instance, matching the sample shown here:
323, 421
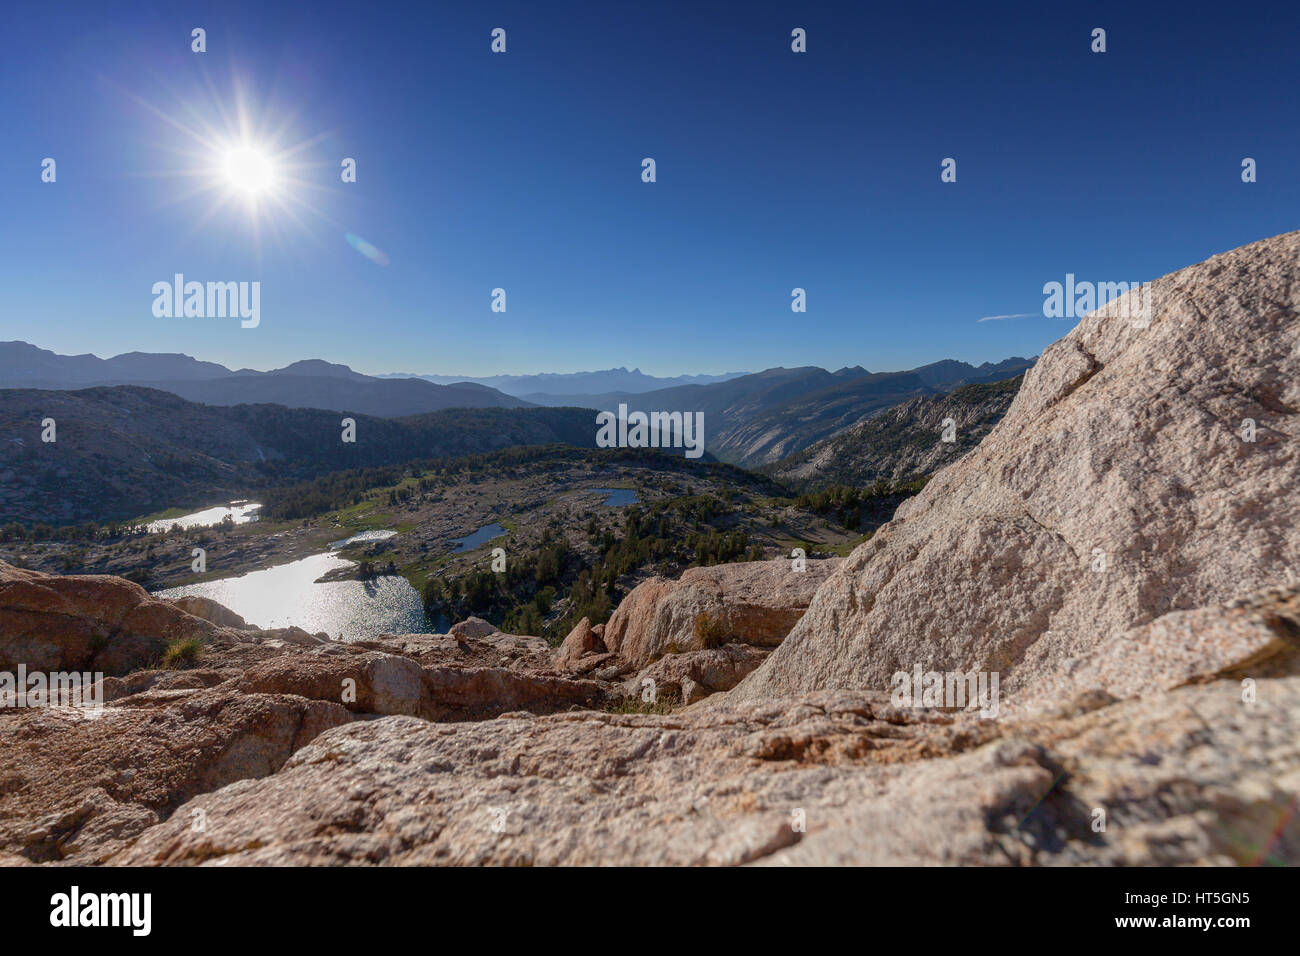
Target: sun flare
252, 166
248, 170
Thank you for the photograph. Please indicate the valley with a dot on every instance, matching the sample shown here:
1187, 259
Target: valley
566, 550
428, 519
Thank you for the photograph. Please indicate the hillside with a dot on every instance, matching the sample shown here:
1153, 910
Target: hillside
900, 442
758, 419
125, 451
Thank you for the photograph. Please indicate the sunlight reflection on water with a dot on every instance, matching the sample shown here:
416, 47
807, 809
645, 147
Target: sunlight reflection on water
288, 595
239, 511
363, 537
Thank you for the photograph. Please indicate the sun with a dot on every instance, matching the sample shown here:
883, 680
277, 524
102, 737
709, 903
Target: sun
252, 167
249, 170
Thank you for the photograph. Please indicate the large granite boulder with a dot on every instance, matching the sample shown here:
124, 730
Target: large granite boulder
754, 602
1143, 469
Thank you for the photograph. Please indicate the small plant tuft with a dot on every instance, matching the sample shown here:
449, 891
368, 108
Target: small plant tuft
713, 630
182, 654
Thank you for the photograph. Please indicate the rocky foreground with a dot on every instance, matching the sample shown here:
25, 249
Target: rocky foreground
1120, 550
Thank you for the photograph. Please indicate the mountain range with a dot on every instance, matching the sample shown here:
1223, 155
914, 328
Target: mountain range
307, 384
551, 388
761, 418
750, 420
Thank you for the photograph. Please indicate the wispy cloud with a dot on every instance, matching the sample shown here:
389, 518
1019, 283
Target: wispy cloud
1018, 315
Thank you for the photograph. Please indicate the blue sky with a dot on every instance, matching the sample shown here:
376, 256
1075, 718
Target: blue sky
522, 171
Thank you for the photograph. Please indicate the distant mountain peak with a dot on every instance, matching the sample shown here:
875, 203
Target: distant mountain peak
319, 367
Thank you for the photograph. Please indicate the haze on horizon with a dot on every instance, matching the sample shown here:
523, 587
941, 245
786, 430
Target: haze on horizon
437, 373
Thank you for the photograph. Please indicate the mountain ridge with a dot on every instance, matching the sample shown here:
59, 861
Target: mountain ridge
901, 442
307, 383
751, 420
758, 419
576, 383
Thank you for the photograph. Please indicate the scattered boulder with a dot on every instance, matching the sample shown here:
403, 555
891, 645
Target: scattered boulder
388, 684
515, 645
364, 683
582, 640
295, 636
755, 602
89, 623
478, 693
473, 627
209, 610
695, 675
497, 649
